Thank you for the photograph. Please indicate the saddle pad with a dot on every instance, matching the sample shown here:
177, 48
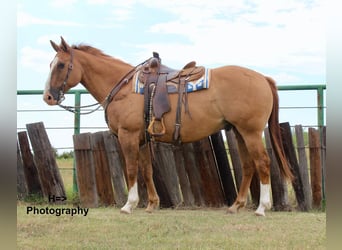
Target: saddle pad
172, 87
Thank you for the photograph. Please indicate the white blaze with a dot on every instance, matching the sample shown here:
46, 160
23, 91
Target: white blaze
48, 80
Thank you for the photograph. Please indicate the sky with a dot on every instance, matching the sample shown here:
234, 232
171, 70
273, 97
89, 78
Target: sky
282, 39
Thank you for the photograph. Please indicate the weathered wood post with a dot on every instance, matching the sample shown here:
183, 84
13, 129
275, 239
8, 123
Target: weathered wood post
291, 155
188, 197
207, 165
115, 163
224, 167
30, 169
235, 157
50, 178
323, 160
85, 170
315, 166
21, 182
102, 172
165, 176
278, 184
193, 173
303, 166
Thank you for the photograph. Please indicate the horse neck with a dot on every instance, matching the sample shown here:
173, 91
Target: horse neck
100, 74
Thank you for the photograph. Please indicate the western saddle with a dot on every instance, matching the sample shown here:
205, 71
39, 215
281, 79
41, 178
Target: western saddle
155, 76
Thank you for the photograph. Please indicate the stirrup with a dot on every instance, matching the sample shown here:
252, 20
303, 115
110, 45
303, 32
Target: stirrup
151, 126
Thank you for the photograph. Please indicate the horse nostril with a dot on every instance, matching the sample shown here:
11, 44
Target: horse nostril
49, 97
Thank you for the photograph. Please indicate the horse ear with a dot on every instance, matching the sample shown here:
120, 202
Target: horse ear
64, 46
55, 46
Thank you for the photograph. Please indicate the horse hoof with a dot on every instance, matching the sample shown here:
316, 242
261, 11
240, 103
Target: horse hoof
259, 213
152, 206
125, 210
149, 210
232, 210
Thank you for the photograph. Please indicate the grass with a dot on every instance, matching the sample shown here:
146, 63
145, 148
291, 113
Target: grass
65, 168
106, 228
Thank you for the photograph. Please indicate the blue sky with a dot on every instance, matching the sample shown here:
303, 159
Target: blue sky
282, 39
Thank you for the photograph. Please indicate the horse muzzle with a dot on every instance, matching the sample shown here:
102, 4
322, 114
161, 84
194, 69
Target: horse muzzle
53, 96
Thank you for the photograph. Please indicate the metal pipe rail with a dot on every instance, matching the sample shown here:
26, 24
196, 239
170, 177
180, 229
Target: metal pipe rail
78, 92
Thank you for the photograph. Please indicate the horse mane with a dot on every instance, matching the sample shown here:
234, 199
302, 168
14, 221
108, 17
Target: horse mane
91, 50
96, 52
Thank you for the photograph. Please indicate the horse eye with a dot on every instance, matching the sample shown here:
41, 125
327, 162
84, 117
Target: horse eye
60, 65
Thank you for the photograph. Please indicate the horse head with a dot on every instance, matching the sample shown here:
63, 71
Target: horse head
63, 73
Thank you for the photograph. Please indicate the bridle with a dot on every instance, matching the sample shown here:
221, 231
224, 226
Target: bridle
58, 93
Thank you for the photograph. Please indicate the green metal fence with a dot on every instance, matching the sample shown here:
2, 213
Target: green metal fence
320, 98
77, 102
78, 93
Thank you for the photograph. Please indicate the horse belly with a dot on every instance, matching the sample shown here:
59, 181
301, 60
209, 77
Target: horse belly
203, 119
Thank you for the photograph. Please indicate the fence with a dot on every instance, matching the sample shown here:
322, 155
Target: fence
193, 174
75, 122
320, 112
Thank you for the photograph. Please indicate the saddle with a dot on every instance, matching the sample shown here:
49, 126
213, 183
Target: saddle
155, 76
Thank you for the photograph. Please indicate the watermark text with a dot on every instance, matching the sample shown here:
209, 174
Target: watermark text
33, 210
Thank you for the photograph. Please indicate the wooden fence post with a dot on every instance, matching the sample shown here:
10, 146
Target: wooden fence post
165, 176
303, 166
50, 178
207, 165
30, 169
188, 197
102, 172
85, 170
235, 157
291, 155
279, 189
115, 162
315, 166
323, 160
193, 173
21, 182
224, 167
142, 191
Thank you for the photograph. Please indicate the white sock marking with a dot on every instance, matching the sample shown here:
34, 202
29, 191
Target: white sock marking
265, 201
132, 201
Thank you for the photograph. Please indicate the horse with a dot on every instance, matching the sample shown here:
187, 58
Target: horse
239, 97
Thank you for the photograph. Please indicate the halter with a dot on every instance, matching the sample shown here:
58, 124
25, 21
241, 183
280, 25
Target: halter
58, 93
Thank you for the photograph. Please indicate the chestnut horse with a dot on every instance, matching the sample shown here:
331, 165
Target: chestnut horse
239, 97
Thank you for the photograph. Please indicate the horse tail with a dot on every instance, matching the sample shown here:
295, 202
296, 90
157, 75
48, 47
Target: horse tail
274, 130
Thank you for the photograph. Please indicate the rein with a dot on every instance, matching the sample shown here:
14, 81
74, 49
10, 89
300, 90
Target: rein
76, 109
124, 80
60, 93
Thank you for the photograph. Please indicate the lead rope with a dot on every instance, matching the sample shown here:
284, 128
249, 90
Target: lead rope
77, 109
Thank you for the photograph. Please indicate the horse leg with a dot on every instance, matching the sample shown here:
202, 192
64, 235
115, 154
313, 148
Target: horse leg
146, 167
262, 162
248, 169
130, 148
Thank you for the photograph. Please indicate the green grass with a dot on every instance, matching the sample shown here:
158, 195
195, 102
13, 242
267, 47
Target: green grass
106, 228
66, 171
